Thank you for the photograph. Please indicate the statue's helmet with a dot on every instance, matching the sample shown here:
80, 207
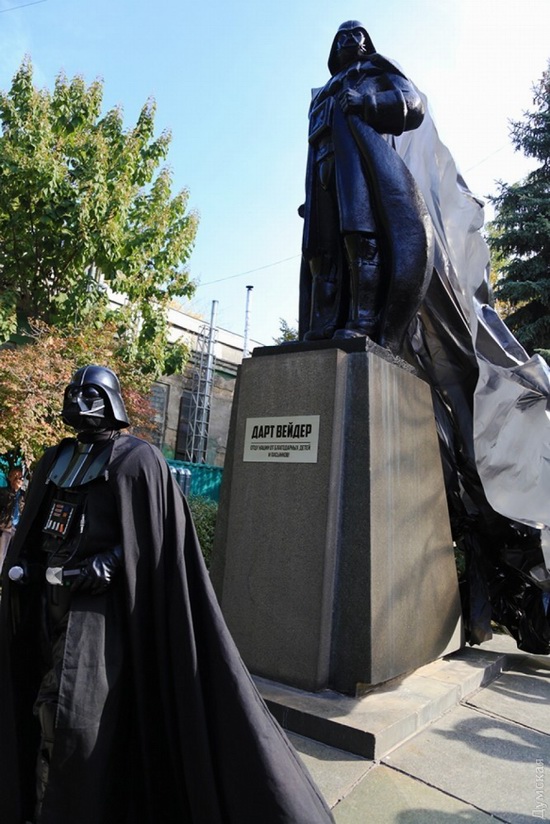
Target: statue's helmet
93, 400
348, 27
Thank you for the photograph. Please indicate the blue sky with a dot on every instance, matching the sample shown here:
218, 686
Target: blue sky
232, 82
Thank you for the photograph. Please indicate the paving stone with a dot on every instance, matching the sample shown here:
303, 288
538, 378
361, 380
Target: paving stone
523, 697
386, 796
501, 642
335, 772
531, 665
490, 763
469, 669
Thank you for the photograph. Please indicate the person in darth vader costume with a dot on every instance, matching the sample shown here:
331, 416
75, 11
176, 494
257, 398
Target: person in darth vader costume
123, 699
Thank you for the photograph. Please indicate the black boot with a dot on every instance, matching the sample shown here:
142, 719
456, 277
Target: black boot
323, 299
365, 288
326, 311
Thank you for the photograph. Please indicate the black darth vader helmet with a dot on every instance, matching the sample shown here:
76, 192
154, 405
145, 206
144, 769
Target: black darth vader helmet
348, 26
93, 400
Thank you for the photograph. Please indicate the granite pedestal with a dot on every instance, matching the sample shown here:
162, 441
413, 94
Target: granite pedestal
333, 558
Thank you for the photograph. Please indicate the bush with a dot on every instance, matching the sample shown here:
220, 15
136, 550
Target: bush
204, 514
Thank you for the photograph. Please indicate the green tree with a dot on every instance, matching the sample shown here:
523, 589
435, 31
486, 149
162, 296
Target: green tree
288, 333
497, 264
85, 204
205, 513
520, 233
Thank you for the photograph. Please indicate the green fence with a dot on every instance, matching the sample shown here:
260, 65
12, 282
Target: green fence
205, 479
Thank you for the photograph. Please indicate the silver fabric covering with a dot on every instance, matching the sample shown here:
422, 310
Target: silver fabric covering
511, 399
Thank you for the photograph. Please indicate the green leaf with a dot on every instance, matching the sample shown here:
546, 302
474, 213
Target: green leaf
78, 189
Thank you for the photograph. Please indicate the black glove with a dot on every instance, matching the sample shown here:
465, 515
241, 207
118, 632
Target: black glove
97, 572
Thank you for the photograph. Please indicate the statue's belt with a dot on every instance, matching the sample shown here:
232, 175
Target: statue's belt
320, 121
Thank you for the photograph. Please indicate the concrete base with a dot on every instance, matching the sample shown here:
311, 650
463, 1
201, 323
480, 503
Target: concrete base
373, 725
337, 572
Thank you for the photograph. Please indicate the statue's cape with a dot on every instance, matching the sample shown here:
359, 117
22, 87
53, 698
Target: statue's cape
403, 227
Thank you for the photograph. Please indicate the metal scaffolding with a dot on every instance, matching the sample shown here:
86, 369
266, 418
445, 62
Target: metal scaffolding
201, 390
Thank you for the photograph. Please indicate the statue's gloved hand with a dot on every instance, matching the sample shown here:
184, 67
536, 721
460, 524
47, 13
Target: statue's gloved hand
98, 571
351, 102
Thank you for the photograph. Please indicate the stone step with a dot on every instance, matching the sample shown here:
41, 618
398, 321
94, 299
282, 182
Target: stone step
375, 723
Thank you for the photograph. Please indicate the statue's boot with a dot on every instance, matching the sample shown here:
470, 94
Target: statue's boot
365, 279
326, 312
324, 309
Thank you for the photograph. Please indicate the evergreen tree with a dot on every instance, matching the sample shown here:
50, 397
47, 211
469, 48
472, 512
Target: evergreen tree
520, 233
288, 333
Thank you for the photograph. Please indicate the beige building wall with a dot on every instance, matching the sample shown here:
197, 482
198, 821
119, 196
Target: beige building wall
169, 391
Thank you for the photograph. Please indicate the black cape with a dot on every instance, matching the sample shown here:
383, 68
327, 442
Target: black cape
198, 743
